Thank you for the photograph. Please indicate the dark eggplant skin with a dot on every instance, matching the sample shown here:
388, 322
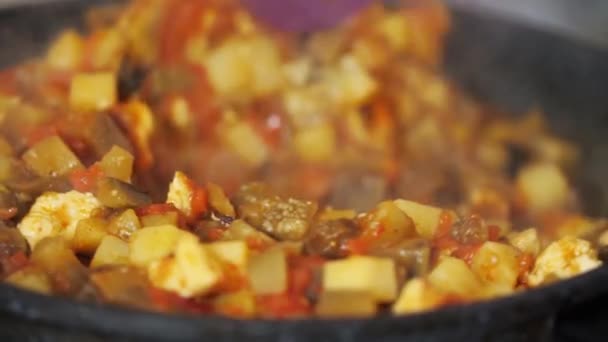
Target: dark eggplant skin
507, 64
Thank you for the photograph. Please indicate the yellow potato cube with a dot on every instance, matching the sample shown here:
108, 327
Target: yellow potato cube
111, 251
425, 217
93, 91
268, 272
124, 225
51, 157
543, 187
118, 163
246, 143
232, 252
372, 275
417, 295
66, 52
191, 271
153, 243
497, 263
315, 144
526, 241
31, 278
345, 304
219, 201
88, 235
453, 275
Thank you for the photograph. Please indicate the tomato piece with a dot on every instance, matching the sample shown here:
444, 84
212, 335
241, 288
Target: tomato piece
493, 233
199, 202
526, 263
301, 274
39, 133
85, 180
283, 306
182, 20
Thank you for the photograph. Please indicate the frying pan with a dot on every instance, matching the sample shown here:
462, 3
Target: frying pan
508, 64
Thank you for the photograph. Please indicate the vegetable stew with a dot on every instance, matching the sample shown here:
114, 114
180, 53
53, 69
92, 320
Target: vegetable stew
183, 156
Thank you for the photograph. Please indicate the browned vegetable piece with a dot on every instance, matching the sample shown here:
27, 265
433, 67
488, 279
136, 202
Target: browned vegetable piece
11, 241
328, 238
123, 285
241, 230
283, 219
103, 133
51, 157
88, 235
388, 225
111, 251
471, 230
414, 255
114, 193
54, 255
357, 190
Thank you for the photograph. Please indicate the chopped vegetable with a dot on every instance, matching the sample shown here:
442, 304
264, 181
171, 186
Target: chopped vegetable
118, 163
93, 92
117, 194
371, 275
268, 272
51, 157
111, 251
88, 235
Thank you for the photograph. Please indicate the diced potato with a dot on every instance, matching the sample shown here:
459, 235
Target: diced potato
93, 91
526, 241
124, 224
137, 115
453, 275
239, 304
297, 72
219, 201
88, 235
181, 192
562, 259
241, 230
232, 252
31, 278
108, 49
315, 144
417, 295
603, 239
395, 29
497, 263
345, 304
268, 272
266, 77
426, 218
191, 271
153, 243
246, 143
543, 187
353, 84
394, 224
51, 157
170, 218
118, 163
57, 214
66, 52
232, 73
372, 275
111, 251
578, 226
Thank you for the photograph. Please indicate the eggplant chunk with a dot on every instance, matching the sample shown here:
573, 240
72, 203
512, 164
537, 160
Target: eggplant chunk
328, 238
114, 193
283, 219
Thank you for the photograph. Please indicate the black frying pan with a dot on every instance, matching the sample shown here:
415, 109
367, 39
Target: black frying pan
503, 63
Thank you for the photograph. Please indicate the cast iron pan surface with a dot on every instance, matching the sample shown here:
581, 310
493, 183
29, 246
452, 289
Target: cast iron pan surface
511, 66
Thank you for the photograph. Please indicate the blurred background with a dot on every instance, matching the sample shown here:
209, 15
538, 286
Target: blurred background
585, 18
